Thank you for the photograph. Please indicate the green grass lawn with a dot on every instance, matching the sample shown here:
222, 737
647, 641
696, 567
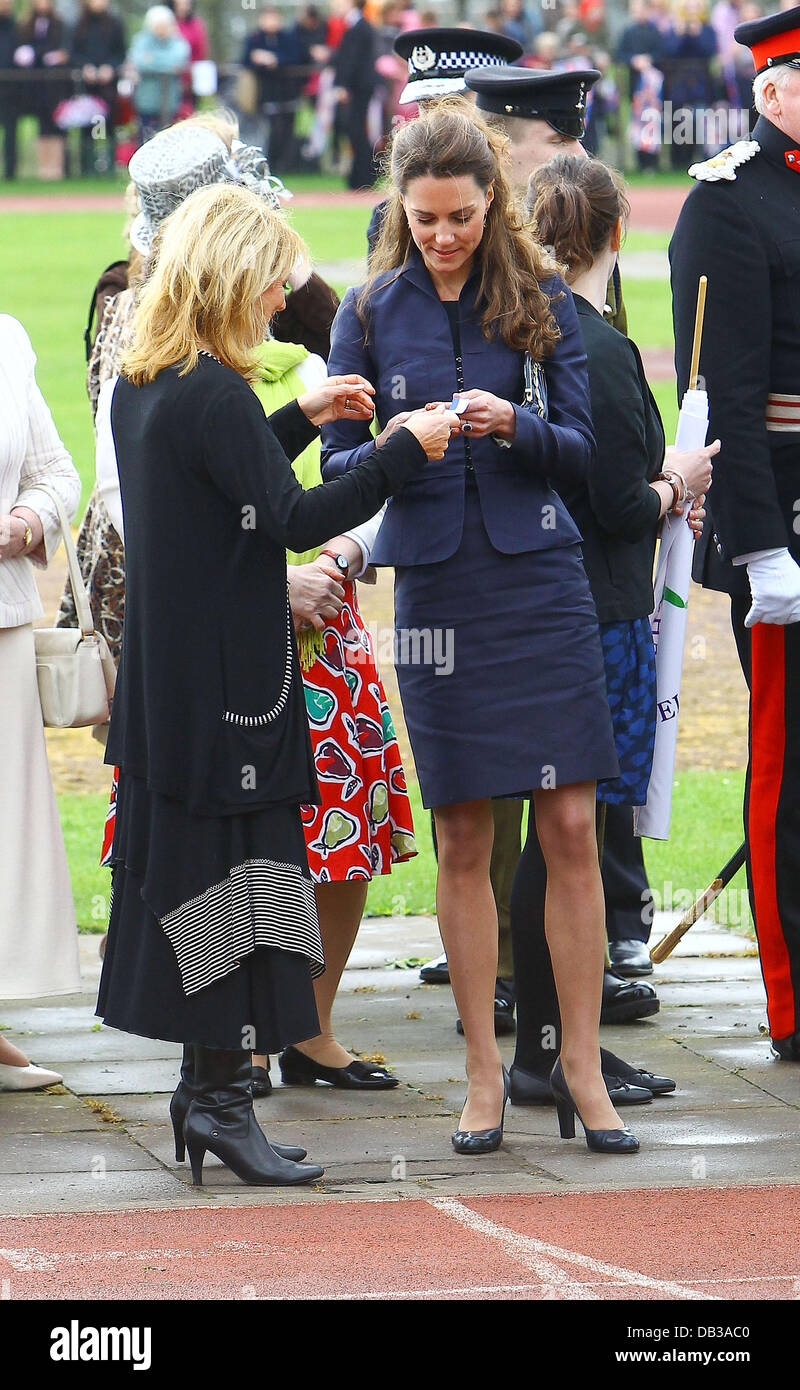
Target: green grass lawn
706, 829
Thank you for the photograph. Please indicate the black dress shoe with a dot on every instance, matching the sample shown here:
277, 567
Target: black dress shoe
630, 957
299, 1070
787, 1049
526, 1088
635, 1076
504, 1005
261, 1085
435, 972
625, 1000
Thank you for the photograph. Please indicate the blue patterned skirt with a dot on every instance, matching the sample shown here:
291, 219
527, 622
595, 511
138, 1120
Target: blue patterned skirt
631, 684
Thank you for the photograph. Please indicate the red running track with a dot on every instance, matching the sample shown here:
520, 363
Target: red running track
667, 1244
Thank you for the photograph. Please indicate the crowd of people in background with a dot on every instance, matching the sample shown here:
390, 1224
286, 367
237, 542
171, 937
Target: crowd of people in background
319, 85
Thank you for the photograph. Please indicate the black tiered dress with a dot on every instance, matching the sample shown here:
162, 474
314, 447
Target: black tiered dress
213, 935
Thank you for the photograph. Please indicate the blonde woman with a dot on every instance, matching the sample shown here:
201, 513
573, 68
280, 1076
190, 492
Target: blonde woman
213, 936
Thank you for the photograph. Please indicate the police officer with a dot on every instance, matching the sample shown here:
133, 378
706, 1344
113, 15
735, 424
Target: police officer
739, 227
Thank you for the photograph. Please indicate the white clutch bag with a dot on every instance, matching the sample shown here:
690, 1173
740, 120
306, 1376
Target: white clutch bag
74, 667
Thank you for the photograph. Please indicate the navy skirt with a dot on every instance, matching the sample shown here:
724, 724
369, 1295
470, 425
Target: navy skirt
501, 671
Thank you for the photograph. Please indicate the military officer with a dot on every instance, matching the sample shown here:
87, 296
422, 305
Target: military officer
739, 226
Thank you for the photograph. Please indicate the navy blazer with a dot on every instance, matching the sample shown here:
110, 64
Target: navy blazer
410, 359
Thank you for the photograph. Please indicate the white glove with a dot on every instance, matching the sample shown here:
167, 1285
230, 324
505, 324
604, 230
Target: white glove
775, 585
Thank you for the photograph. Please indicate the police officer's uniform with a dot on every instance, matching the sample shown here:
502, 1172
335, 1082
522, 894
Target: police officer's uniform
740, 226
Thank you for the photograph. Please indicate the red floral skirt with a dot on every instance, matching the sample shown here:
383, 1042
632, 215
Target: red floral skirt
364, 824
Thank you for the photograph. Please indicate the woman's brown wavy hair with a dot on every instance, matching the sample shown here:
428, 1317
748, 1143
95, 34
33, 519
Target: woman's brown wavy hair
446, 141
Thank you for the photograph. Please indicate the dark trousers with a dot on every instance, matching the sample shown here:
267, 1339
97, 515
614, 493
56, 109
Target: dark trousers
629, 902
505, 858
9, 124
9, 115
362, 170
280, 144
770, 657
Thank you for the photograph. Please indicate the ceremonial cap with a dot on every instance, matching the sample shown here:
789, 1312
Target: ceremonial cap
438, 59
559, 98
772, 40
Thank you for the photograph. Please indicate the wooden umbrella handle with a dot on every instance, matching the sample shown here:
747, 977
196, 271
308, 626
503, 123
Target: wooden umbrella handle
698, 331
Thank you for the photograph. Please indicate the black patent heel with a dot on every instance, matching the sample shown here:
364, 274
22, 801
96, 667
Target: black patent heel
566, 1119
599, 1141
482, 1141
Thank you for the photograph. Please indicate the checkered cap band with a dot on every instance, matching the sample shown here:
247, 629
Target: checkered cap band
458, 60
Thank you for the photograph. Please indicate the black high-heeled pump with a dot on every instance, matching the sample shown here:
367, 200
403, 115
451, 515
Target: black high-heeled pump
181, 1099
482, 1141
221, 1119
600, 1141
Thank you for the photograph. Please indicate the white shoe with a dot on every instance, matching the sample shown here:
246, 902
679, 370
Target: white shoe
28, 1078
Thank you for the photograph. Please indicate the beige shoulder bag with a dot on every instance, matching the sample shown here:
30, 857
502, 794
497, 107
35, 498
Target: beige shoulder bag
74, 667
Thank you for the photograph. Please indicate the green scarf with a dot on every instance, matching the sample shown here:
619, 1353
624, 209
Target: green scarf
279, 384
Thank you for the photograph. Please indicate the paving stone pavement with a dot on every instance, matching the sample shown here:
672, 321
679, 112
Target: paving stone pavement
103, 1141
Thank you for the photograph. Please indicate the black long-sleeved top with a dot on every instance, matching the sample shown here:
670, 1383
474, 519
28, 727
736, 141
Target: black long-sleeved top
99, 41
274, 83
615, 508
354, 61
209, 706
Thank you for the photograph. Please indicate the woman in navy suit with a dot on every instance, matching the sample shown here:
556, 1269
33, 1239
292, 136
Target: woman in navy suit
497, 646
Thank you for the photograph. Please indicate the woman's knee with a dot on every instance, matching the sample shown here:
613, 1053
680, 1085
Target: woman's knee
464, 836
566, 825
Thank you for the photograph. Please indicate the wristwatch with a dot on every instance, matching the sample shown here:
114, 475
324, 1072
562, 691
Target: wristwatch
28, 537
341, 562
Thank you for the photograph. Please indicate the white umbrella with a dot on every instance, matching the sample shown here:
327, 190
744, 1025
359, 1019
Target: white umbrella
668, 619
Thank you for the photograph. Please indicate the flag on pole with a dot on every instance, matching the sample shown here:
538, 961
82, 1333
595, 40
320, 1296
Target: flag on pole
668, 626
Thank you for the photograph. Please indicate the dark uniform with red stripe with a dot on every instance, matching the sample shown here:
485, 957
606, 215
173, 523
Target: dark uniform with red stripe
744, 234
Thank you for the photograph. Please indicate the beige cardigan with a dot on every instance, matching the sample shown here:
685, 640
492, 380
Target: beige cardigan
31, 453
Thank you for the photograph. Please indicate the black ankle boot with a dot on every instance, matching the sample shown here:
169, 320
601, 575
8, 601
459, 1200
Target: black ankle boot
221, 1118
182, 1097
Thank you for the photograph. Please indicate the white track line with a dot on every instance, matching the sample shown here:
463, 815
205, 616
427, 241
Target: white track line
538, 1255
32, 1261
